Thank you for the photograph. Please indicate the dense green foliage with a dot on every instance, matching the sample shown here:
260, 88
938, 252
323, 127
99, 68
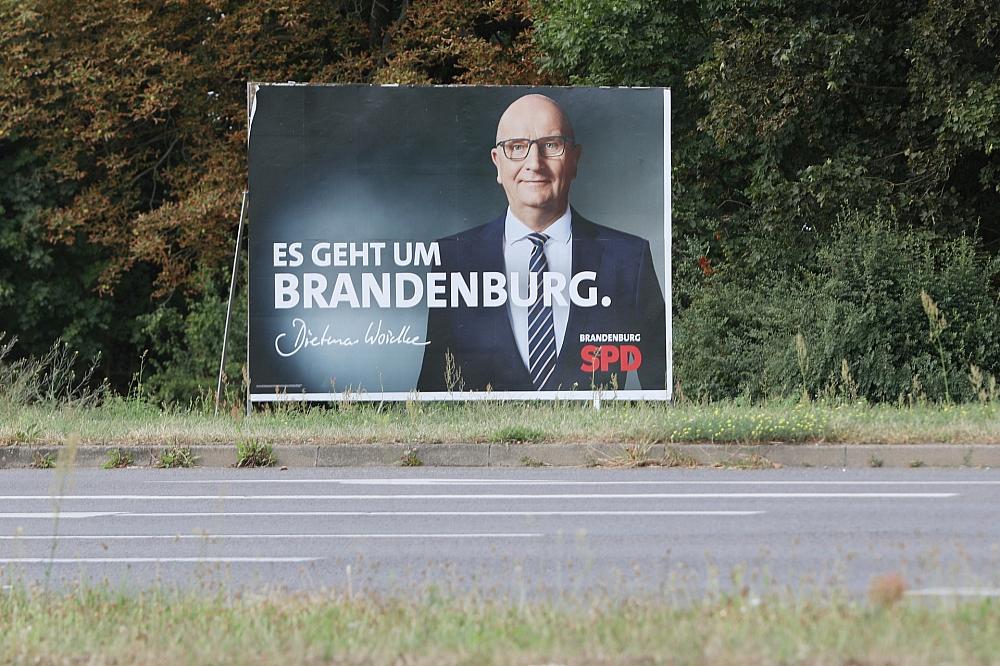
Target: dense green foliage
48, 290
832, 160
856, 309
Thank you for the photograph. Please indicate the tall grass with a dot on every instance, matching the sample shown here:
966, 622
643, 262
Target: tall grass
56, 378
119, 422
56, 398
96, 626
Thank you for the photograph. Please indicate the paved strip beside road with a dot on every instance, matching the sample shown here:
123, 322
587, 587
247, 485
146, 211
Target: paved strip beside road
512, 531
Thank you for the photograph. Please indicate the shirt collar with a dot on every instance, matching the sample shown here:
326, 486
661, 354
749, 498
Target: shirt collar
559, 231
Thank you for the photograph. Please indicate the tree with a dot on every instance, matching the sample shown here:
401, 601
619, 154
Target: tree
789, 118
848, 105
136, 113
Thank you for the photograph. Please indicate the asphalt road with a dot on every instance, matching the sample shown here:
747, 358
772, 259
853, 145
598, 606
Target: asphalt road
519, 533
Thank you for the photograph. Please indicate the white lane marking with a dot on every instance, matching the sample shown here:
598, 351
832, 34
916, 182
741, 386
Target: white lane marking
488, 496
562, 482
188, 514
955, 592
152, 560
31, 515
178, 537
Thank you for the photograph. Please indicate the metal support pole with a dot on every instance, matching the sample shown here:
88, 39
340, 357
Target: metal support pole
229, 304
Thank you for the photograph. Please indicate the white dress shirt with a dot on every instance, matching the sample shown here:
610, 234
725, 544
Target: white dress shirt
517, 257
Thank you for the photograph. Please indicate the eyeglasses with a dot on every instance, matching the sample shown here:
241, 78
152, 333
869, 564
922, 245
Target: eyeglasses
548, 146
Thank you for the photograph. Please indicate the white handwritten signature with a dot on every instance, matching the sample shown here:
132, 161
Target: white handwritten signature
302, 337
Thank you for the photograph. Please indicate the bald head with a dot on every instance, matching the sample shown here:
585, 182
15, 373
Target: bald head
532, 106
536, 176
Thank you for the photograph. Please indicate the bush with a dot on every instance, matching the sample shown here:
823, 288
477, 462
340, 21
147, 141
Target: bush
185, 340
857, 298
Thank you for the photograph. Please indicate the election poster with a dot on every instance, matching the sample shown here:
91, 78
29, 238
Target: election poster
458, 243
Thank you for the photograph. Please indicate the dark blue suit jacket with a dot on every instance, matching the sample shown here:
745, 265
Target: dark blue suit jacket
480, 340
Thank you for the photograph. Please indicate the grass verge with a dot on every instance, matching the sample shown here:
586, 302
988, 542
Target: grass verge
125, 422
102, 627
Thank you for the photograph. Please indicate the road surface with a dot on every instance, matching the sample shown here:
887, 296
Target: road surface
521, 533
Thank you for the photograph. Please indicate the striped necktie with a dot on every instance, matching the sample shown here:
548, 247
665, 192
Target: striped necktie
541, 325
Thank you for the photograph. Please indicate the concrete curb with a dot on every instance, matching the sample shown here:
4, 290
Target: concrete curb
547, 455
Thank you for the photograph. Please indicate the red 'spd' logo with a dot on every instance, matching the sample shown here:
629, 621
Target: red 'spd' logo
604, 357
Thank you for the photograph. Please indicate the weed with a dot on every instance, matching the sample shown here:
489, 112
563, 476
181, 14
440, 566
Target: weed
41, 460
916, 463
632, 455
984, 386
453, 379
916, 396
517, 435
64, 465
255, 453
410, 459
875, 461
135, 385
27, 435
349, 398
847, 383
937, 324
528, 461
118, 458
49, 379
679, 397
887, 590
414, 407
177, 456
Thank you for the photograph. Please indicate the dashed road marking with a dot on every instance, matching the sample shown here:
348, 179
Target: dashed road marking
51, 515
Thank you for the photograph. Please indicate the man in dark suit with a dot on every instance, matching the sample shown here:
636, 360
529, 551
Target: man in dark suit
556, 331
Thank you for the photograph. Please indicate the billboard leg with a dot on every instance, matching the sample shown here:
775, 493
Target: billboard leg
229, 303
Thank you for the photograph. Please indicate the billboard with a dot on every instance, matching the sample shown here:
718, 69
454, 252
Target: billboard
458, 242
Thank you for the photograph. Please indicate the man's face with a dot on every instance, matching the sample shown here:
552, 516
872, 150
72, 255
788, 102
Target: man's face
536, 184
